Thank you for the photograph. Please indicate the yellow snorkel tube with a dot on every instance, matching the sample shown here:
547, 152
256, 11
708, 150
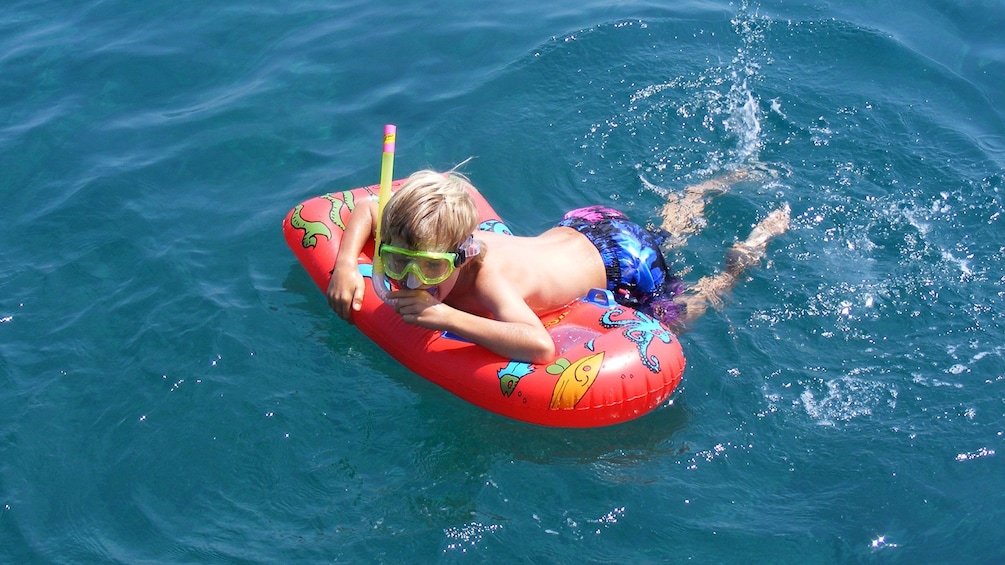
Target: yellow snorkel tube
378, 281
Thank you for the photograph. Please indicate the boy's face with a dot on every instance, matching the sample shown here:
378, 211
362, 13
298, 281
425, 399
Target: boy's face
415, 268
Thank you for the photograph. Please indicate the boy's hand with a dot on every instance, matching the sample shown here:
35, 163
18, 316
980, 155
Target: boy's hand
421, 308
345, 291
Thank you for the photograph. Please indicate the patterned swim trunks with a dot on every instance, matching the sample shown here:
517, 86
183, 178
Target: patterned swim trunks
636, 269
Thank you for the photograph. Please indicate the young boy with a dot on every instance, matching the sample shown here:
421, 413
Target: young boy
489, 288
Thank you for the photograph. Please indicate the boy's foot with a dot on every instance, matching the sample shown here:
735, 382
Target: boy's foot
722, 183
683, 213
748, 253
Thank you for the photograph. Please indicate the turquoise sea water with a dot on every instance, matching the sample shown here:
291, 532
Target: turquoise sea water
174, 389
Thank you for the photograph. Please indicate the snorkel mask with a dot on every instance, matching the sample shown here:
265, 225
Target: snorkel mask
414, 268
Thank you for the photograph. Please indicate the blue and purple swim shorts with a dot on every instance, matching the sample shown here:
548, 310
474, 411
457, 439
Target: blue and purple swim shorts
636, 269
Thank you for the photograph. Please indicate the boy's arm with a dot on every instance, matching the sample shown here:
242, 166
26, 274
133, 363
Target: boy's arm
523, 341
345, 290
514, 331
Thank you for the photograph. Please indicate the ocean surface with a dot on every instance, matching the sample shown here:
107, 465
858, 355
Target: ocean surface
174, 388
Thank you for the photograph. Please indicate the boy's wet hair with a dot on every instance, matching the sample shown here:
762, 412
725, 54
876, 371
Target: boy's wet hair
431, 211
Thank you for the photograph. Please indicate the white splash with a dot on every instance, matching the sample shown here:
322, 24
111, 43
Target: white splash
881, 542
971, 455
468, 535
847, 398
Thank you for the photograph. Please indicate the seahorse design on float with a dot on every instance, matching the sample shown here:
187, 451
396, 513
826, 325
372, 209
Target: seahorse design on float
311, 229
640, 329
347, 201
575, 380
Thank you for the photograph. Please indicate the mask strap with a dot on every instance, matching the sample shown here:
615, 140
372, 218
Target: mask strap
467, 249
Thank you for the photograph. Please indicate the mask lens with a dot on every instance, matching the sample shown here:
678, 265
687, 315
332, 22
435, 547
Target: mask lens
394, 263
433, 269
428, 266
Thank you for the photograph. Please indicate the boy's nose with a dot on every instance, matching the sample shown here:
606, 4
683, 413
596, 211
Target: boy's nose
412, 282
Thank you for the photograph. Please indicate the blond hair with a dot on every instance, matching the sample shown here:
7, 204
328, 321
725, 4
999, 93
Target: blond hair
431, 211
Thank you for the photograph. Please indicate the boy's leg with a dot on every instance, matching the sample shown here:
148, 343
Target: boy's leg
683, 214
742, 255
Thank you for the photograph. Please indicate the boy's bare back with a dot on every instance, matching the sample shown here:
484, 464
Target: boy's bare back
547, 271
